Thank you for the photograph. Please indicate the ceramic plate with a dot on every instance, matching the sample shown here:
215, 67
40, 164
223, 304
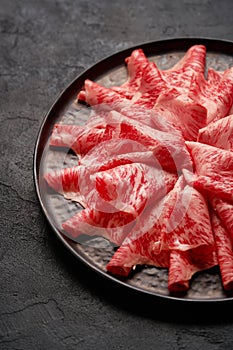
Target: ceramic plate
95, 251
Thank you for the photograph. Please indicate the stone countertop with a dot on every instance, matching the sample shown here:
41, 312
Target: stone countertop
49, 299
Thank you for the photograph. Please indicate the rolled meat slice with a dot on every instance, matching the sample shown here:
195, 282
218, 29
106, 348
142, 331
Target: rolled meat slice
65, 136
136, 64
168, 148
181, 74
178, 222
216, 98
95, 94
217, 185
184, 265
210, 160
152, 86
214, 77
186, 222
224, 210
174, 81
112, 226
224, 249
80, 181
218, 134
186, 115
193, 60
152, 80
214, 169
127, 188
139, 246
67, 182
116, 198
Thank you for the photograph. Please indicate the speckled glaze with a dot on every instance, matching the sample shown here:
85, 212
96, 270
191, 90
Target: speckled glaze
96, 251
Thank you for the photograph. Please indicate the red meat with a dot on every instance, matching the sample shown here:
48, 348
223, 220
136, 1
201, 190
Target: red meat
67, 182
181, 74
80, 140
217, 185
214, 77
218, 134
120, 196
152, 86
136, 64
176, 80
186, 219
224, 211
217, 98
95, 94
139, 246
184, 264
186, 115
181, 223
168, 148
150, 117
115, 152
193, 60
214, 169
152, 80
65, 135
112, 226
224, 249
230, 112
211, 160
127, 188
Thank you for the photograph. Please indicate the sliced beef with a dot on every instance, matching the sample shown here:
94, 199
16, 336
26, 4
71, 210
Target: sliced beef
136, 64
214, 169
224, 211
218, 134
217, 98
224, 249
112, 226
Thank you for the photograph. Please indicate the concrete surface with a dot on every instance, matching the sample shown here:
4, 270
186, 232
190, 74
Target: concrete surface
48, 299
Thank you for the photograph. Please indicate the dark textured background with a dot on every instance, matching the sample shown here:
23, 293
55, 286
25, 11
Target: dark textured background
49, 300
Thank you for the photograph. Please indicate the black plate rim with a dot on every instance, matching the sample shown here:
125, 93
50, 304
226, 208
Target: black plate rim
171, 44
